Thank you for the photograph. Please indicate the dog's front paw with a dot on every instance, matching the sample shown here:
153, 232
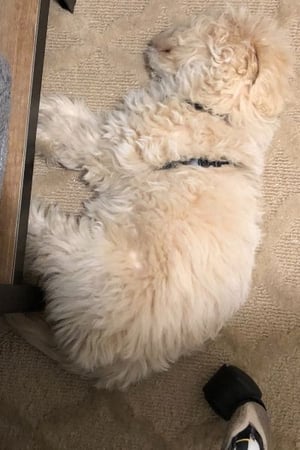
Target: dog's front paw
52, 137
47, 129
67, 132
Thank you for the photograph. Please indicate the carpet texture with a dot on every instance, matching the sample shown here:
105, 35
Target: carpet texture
96, 54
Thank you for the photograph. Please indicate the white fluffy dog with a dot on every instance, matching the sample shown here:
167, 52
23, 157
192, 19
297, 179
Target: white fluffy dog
163, 254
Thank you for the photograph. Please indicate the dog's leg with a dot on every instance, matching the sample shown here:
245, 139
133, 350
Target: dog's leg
63, 253
35, 330
54, 238
69, 134
33, 327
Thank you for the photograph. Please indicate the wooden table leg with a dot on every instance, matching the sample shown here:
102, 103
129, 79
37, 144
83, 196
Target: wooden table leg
23, 27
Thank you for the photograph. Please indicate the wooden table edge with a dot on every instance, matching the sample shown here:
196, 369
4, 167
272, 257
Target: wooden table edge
14, 295
36, 84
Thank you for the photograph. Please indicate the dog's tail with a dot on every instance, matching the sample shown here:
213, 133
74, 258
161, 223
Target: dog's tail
35, 330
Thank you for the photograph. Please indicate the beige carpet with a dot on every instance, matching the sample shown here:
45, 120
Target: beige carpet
96, 54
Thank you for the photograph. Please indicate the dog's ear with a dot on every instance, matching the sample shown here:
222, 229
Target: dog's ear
271, 87
234, 57
232, 66
253, 53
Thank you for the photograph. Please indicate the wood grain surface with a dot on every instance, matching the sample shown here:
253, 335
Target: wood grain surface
19, 23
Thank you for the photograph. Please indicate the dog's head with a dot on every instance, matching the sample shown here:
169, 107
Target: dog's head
227, 63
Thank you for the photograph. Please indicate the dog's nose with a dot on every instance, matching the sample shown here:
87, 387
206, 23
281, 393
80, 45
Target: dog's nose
161, 43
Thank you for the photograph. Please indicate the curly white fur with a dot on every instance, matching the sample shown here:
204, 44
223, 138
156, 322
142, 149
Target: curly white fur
161, 259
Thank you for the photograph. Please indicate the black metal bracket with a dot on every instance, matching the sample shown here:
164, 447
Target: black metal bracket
20, 298
68, 4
